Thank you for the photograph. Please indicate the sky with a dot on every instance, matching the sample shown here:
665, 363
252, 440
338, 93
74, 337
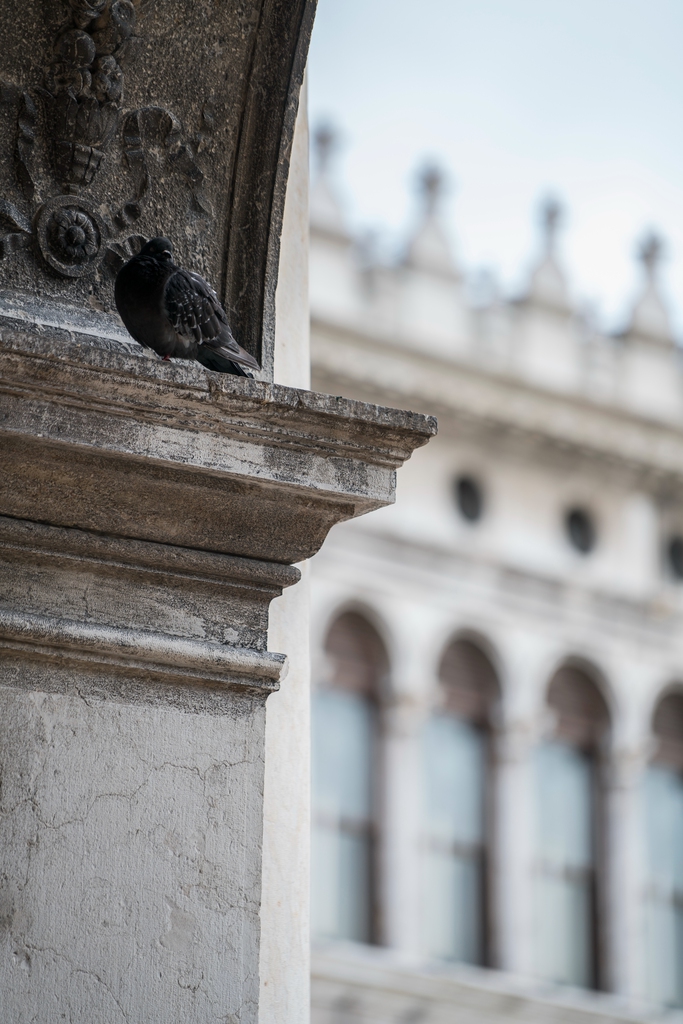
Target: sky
515, 100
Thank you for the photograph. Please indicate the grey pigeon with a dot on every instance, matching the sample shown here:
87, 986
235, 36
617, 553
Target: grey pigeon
176, 312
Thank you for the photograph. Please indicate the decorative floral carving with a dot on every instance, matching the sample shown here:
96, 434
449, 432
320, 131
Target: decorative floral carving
70, 236
26, 137
120, 252
82, 92
73, 234
85, 11
84, 87
114, 27
18, 229
107, 80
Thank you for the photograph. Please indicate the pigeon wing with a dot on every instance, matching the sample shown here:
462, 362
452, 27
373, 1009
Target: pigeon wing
193, 309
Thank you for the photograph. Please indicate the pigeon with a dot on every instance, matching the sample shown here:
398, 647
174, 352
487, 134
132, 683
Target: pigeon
176, 312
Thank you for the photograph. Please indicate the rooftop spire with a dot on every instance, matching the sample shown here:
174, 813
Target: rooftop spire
429, 248
326, 212
551, 215
650, 317
650, 254
324, 143
548, 285
431, 184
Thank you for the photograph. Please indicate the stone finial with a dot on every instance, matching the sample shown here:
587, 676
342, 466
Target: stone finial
650, 317
431, 183
325, 140
326, 210
548, 285
651, 251
551, 215
429, 247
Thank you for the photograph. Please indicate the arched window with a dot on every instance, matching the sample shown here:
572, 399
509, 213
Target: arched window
663, 812
345, 723
455, 822
567, 799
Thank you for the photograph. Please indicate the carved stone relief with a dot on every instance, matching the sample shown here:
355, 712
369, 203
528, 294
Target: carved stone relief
123, 119
82, 101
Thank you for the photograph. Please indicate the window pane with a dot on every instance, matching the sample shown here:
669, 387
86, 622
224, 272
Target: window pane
453, 913
663, 807
342, 749
325, 881
564, 876
454, 758
564, 948
343, 731
354, 887
564, 787
452, 907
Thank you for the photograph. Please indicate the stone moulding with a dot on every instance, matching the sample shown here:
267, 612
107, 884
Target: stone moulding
130, 446
144, 617
150, 512
141, 652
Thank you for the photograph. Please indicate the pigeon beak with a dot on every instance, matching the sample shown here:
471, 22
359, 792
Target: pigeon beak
166, 252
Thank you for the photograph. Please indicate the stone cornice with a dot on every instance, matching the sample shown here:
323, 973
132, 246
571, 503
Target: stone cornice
175, 455
460, 391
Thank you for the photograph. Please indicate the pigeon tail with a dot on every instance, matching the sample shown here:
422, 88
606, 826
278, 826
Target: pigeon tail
213, 360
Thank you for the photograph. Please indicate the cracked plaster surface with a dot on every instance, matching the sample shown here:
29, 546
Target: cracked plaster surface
130, 862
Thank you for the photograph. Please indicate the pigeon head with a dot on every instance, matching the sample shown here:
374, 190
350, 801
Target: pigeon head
160, 248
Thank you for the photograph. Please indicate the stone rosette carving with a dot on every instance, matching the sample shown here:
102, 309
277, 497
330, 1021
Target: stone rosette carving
70, 235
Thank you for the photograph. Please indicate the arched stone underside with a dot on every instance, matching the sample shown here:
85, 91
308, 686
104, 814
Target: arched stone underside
113, 133
469, 686
667, 726
357, 657
581, 714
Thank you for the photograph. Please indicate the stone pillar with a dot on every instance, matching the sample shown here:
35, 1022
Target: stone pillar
285, 929
149, 514
624, 872
401, 832
513, 849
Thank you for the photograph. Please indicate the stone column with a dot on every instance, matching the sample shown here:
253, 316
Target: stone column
624, 872
150, 512
400, 853
513, 892
285, 928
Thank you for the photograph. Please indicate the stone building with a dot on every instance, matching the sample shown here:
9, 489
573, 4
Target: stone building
154, 776
498, 657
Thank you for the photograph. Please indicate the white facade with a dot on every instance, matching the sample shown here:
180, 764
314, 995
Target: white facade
546, 416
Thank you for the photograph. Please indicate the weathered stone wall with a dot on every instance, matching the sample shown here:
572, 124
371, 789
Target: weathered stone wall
121, 121
149, 514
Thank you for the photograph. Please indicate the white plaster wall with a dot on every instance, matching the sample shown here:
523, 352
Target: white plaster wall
285, 943
129, 861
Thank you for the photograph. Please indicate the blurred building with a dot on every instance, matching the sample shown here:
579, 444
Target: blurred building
498, 658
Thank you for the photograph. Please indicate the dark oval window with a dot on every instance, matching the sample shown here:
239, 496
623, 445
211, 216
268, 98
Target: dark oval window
469, 498
675, 553
580, 530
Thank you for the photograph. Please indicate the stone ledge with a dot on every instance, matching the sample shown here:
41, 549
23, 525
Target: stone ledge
104, 440
76, 374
